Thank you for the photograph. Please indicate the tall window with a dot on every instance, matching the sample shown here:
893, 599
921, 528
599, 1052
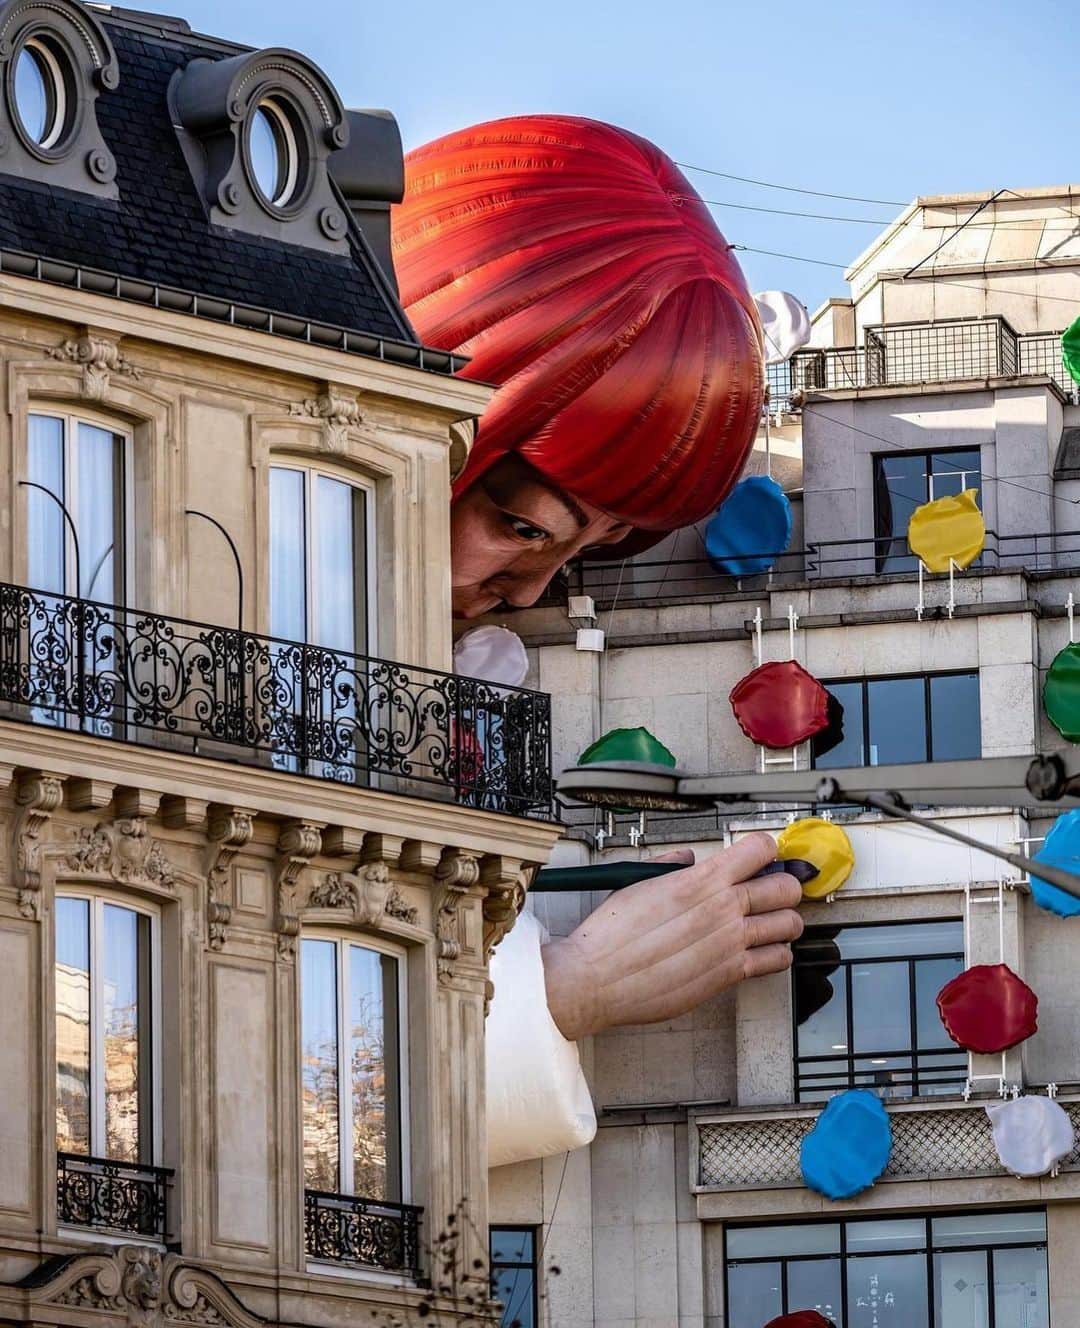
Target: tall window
904, 481
83, 464
104, 1030
513, 1275
318, 560
352, 1021
866, 1013
968, 1270
896, 721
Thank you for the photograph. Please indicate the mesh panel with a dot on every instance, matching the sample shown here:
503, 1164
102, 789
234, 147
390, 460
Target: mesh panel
954, 1141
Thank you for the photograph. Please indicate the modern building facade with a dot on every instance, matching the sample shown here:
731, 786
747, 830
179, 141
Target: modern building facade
252, 867
939, 372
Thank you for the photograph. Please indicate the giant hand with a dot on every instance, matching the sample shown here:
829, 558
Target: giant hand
656, 950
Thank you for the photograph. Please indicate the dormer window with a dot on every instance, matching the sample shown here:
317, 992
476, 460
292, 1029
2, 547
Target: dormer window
257, 131
55, 61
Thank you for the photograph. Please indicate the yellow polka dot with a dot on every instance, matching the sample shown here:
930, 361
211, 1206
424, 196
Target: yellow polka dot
825, 846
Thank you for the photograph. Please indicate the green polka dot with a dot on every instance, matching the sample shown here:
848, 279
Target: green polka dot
1061, 693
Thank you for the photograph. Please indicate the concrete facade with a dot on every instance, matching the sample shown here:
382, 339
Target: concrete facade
637, 1222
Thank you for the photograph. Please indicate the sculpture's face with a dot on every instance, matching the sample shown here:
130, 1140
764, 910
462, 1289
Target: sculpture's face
511, 531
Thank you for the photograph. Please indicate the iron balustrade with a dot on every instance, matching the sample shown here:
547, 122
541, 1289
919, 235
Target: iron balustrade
369, 1233
149, 679
114, 1196
680, 579
944, 351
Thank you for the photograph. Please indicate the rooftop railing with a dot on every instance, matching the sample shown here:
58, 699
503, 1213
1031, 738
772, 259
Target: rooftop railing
681, 579
164, 682
946, 351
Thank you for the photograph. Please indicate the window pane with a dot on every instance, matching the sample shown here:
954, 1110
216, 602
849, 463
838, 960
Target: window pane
901, 939
514, 1287
45, 521
849, 750
1021, 1293
930, 976
990, 1229
72, 1025
887, 1076
961, 1294
288, 555
814, 1284
952, 472
891, 1233
511, 1246
901, 486
805, 1238
98, 516
124, 1020
339, 537
319, 1059
880, 1006
820, 1000
373, 1040
897, 713
954, 717
754, 1294
887, 1284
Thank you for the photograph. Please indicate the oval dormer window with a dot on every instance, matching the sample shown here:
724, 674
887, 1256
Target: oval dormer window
41, 96
274, 153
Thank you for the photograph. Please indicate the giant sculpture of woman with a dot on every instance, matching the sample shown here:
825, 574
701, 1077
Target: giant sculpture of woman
575, 265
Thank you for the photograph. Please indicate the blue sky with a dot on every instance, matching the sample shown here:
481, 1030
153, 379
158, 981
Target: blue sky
884, 101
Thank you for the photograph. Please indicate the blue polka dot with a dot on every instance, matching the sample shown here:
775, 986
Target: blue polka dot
848, 1148
1061, 848
751, 529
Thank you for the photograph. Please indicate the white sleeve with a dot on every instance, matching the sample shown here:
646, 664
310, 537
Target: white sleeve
538, 1102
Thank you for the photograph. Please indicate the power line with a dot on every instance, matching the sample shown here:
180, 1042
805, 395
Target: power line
780, 212
789, 188
796, 258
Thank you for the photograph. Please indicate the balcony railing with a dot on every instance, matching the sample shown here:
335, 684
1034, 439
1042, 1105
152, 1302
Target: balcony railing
144, 678
112, 1196
679, 580
951, 350
747, 1150
367, 1233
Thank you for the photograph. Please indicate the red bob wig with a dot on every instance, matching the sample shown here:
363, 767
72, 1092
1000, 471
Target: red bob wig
578, 268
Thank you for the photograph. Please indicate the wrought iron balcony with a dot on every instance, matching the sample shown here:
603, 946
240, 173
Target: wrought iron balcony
945, 351
215, 691
367, 1233
944, 1139
112, 1196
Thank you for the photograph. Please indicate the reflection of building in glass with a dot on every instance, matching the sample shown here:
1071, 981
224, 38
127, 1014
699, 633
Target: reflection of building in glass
72, 1059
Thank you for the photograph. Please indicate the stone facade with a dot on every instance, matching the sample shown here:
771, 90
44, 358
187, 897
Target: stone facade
237, 861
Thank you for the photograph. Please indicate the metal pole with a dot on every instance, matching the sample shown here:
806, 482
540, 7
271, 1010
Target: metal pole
191, 511
80, 658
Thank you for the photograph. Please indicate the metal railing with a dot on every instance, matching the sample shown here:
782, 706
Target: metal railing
944, 351
215, 691
679, 579
367, 1233
112, 1196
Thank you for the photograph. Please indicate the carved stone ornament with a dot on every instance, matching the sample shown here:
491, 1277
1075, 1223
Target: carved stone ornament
140, 1286
455, 875
298, 843
100, 359
37, 796
228, 829
339, 414
398, 907
367, 894
124, 850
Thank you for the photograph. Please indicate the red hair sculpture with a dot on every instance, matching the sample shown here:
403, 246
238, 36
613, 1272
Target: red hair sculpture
581, 272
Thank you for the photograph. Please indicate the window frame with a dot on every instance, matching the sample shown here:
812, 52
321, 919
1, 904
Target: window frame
533, 1267
97, 900
367, 486
928, 716
928, 1249
346, 1162
849, 1056
96, 420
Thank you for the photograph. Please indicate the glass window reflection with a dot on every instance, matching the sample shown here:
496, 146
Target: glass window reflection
73, 1109
514, 1274
319, 1061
